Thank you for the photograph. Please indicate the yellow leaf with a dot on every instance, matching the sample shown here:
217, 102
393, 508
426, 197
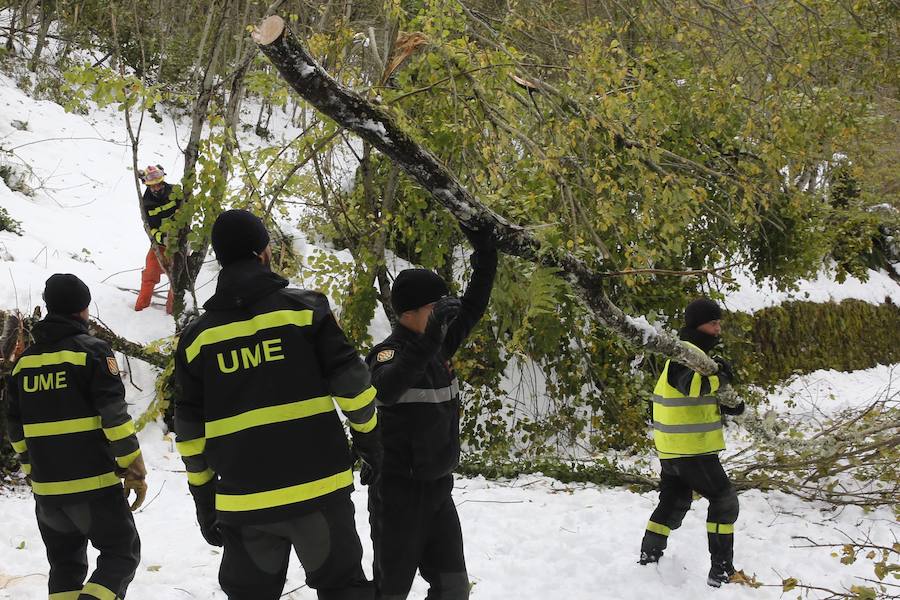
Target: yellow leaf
743, 579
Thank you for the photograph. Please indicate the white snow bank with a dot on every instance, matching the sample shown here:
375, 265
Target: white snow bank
752, 297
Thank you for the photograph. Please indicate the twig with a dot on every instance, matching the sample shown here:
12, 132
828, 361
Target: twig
161, 488
66, 139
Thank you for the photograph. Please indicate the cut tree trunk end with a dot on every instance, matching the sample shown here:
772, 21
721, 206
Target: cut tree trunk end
375, 125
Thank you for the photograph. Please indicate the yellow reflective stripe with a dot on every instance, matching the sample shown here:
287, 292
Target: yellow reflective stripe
720, 528
221, 333
191, 447
26, 468
357, 402
34, 361
125, 461
119, 432
65, 595
689, 444
20, 446
62, 427
75, 486
200, 478
714, 384
658, 528
159, 209
98, 591
367, 426
696, 384
283, 496
269, 415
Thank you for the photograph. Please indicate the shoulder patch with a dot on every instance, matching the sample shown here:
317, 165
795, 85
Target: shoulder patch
112, 365
384, 356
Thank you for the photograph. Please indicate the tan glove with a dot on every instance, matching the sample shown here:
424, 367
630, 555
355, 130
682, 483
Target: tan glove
135, 476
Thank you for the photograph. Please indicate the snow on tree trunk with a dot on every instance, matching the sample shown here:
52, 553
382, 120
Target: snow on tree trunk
376, 126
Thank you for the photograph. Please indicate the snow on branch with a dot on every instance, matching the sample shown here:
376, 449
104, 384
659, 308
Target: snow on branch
375, 125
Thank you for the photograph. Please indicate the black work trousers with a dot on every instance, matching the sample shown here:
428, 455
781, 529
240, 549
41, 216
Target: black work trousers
415, 526
106, 523
255, 558
680, 477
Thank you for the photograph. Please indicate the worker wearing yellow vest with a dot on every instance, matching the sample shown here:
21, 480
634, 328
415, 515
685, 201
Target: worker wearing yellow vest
687, 432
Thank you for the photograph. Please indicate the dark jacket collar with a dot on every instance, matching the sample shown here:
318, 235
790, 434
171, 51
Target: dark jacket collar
161, 198
243, 283
56, 327
704, 341
402, 332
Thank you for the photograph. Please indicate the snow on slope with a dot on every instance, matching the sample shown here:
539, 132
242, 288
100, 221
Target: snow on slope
529, 538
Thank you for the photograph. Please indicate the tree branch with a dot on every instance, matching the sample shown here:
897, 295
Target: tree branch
376, 126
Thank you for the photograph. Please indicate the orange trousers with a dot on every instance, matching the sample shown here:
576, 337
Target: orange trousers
150, 276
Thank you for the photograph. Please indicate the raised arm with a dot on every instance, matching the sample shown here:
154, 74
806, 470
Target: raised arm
478, 292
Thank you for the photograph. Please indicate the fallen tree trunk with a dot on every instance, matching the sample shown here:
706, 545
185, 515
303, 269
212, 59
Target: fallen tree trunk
376, 126
15, 333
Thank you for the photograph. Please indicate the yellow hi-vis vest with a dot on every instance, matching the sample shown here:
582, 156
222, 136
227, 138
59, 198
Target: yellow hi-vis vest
686, 425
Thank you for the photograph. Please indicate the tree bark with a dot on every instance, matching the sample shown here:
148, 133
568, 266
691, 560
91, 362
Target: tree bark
48, 7
15, 326
377, 127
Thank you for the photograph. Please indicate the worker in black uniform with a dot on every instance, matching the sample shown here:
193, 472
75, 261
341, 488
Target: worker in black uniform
158, 206
688, 434
69, 424
411, 511
268, 462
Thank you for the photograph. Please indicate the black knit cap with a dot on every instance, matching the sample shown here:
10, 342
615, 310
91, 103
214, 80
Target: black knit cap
700, 311
414, 288
66, 294
238, 234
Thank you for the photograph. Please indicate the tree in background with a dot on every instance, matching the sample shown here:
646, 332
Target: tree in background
659, 142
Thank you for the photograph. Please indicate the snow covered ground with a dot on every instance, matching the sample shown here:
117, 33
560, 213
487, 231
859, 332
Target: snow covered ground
532, 538
529, 538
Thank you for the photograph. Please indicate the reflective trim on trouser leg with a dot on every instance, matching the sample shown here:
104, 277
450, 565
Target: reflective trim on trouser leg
720, 528
658, 528
95, 590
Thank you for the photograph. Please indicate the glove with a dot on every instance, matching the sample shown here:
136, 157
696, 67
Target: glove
483, 238
368, 475
445, 310
725, 369
206, 516
135, 476
367, 446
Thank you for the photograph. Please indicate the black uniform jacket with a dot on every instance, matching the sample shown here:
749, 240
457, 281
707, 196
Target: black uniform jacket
681, 376
418, 392
158, 208
257, 379
67, 419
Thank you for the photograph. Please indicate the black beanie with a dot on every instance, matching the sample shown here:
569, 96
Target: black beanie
238, 234
66, 294
700, 311
414, 288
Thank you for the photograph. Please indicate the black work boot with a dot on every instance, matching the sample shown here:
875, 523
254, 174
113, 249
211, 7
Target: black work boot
720, 572
650, 556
